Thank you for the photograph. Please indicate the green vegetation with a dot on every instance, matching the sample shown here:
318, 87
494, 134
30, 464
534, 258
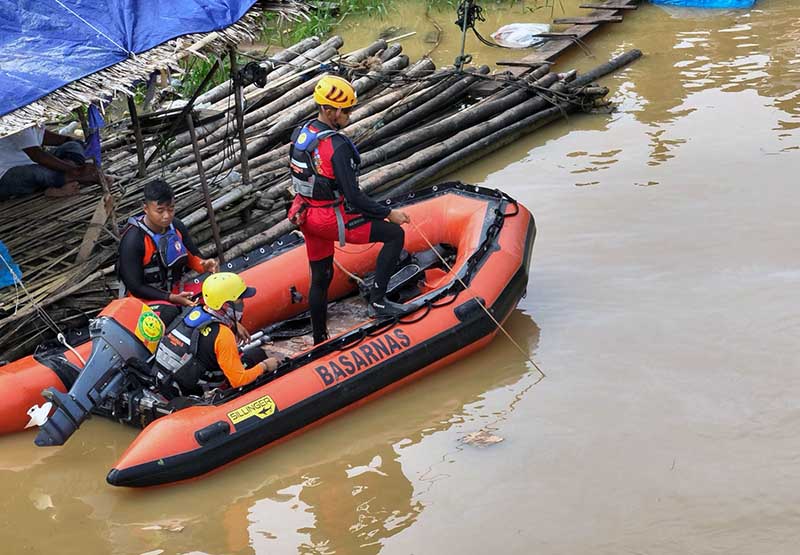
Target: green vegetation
322, 20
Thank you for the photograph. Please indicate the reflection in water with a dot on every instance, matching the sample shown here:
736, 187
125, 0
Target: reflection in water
339, 488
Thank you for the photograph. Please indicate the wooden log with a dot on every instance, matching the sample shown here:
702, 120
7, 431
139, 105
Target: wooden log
204, 184
218, 204
422, 68
367, 51
427, 156
105, 207
304, 61
609, 6
607, 68
280, 59
274, 89
478, 149
501, 137
416, 113
281, 97
267, 161
293, 116
137, 133
461, 120
281, 226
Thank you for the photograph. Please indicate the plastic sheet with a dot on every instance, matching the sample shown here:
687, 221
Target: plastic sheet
520, 35
46, 44
7, 266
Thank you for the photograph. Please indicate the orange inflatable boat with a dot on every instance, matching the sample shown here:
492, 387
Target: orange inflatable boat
467, 256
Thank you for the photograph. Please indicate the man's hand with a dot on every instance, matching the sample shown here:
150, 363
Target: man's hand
210, 265
270, 364
241, 333
399, 217
182, 299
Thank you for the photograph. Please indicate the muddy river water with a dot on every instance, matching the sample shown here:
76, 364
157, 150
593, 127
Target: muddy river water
663, 306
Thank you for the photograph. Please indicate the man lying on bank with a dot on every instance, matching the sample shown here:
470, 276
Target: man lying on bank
26, 167
155, 253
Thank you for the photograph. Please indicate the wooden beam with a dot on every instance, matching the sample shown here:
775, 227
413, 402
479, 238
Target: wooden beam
104, 208
137, 134
608, 7
212, 219
587, 20
523, 64
557, 36
552, 49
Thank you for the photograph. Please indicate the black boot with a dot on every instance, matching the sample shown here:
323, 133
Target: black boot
385, 308
320, 337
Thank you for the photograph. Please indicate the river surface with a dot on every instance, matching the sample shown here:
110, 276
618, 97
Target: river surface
663, 306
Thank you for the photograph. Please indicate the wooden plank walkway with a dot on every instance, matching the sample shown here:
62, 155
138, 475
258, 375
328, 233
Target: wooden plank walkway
557, 43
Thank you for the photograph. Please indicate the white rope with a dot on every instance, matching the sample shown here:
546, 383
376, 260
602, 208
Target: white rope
63, 341
16, 280
40, 311
480, 304
128, 52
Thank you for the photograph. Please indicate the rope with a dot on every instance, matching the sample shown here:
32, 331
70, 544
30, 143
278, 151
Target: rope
466, 287
63, 340
40, 311
112, 41
350, 274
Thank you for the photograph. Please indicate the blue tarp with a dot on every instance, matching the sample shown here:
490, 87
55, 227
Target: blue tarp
46, 44
8, 269
707, 3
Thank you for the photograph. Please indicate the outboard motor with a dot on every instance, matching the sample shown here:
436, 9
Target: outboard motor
126, 329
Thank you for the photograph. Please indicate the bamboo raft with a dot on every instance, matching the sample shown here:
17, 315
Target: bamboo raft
413, 124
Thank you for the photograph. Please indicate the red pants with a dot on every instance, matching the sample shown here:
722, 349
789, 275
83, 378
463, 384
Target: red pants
321, 231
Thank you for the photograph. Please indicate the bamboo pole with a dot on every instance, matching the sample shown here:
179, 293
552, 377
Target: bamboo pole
239, 104
206, 195
137, 133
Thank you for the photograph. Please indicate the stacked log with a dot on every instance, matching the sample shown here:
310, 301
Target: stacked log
413, 125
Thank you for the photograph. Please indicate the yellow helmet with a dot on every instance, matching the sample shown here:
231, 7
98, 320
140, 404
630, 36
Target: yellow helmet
335, 91
224, 287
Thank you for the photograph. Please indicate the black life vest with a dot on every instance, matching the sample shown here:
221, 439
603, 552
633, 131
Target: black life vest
306, 179
176, 362
163, 267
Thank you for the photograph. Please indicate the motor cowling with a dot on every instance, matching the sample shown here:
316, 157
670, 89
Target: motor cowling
126, 329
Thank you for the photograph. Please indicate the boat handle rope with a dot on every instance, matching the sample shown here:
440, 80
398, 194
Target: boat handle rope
486, 310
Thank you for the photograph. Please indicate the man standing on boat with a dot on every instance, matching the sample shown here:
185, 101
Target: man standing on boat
329, 204
155, 252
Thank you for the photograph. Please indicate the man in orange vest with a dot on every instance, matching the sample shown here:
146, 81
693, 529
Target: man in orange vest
329, 204
200, 352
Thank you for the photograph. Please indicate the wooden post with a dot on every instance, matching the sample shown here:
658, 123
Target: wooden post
237, 95
186, 110
137, 133
202, 173
103, 210
81, 112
